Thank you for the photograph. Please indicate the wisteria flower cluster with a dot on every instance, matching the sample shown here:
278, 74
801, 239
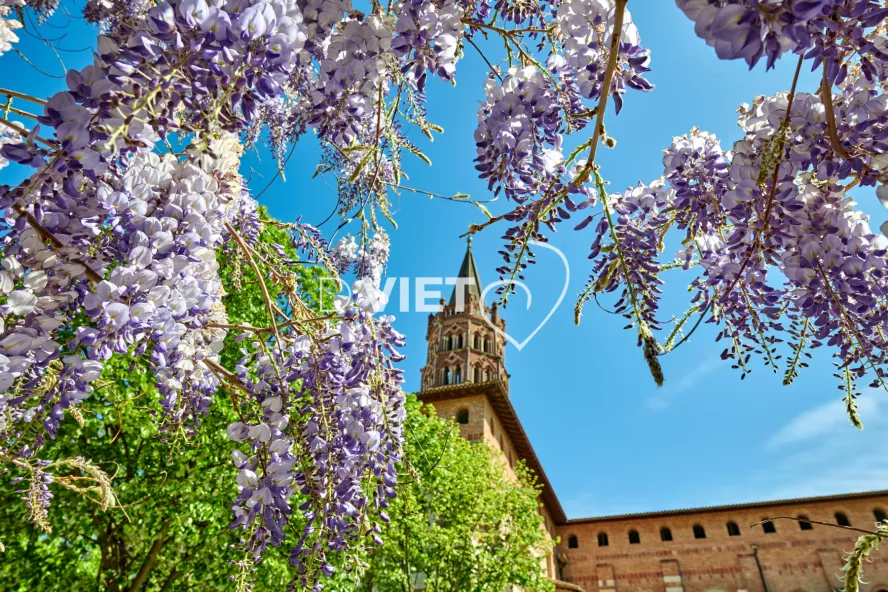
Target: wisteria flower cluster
8, 24
587, 27
342, 456
820, 29
110, 249
352, 76
517, 134
428, 38
367, 262
786, 263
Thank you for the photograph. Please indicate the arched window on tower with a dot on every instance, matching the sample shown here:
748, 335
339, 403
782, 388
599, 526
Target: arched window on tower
699, 532
477, 377
665, 534
602, 539
459, 341
572, 542
880, 515
634, 537
462, 416
487, 344
842, 519
458, 375
804, 524
446, 375
733, 529
768, 526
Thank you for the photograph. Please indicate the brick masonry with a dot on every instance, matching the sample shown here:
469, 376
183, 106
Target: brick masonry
790, 559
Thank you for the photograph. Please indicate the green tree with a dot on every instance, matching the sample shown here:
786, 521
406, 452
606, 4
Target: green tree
460, 521
168, 527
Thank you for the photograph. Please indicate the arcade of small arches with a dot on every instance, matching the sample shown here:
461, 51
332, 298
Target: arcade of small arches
454, 375
768, 527
454, 369
457, 340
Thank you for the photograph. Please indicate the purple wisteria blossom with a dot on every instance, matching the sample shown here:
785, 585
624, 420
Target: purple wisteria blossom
822, 30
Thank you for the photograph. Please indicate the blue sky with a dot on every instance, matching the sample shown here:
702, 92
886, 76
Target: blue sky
609, 439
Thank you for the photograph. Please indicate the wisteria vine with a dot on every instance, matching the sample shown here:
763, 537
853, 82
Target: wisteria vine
110, 243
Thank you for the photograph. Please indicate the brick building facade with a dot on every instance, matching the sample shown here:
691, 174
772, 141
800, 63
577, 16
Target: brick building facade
717, 549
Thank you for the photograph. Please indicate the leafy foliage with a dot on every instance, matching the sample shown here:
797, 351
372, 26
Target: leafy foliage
460, 521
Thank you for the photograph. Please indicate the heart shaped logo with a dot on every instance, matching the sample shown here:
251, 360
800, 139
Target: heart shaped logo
520, 284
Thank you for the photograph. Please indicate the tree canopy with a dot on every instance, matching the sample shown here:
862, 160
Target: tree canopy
460, 521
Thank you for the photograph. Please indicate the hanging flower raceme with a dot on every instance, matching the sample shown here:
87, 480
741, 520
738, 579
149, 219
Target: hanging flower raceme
519, 148
8, 24
322, 421
835, 267
352, 79
587, 28
697, 169
822, 30
366, 261
427, 36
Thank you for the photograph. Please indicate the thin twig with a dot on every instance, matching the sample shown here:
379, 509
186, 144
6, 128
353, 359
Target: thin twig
620, 9
226, 374
812, 522
755, 243
47, 235
268, 303
223, 374
35, 66
278, 172
18, 112
23, 132
18, 95
831, 127
493, 69
252, 329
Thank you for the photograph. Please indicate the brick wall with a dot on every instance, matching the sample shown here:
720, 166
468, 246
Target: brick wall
483, 424
791, 559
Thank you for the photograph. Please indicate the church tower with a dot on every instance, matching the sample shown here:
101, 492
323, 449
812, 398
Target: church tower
465, 379
464, 347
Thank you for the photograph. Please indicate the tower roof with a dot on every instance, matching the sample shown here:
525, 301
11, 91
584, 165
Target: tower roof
468, 270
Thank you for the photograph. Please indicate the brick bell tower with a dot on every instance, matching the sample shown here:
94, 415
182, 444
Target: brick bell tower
465, 379
464, 348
